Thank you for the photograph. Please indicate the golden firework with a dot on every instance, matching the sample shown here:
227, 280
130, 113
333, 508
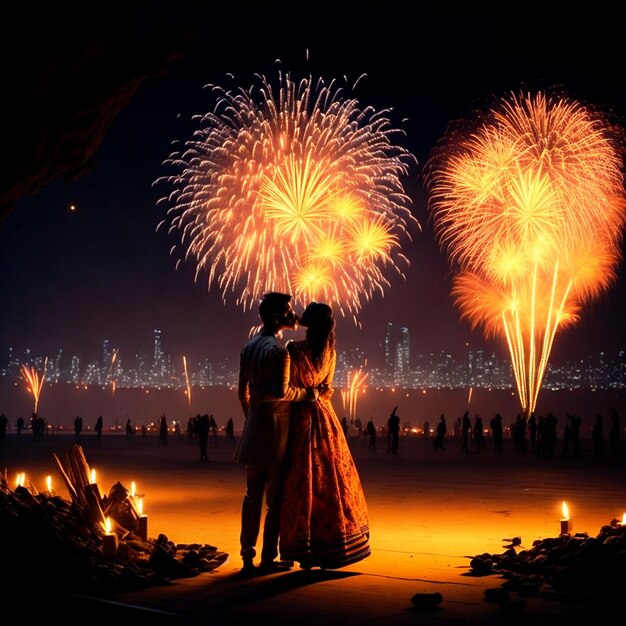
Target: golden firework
35, 382
296, 190
349, 395
530, 205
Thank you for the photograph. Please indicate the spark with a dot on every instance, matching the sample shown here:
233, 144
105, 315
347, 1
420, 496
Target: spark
292, 188
530, 205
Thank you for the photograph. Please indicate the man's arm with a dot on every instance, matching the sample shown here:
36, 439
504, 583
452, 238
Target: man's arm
243, 390
280, 386
326, 388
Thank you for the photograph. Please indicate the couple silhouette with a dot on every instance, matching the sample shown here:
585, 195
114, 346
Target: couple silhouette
293, 447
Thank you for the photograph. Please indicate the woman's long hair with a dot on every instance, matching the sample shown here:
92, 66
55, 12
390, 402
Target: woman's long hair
320, 333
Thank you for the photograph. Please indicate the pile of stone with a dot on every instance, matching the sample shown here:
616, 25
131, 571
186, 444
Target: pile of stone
570, 566
49, 543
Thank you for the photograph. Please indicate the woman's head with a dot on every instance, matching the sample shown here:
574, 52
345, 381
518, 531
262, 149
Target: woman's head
320, 324
318, 316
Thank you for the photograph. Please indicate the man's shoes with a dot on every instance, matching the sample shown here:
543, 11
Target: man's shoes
248, 568
270, 567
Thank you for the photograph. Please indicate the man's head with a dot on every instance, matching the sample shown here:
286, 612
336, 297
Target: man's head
276, 312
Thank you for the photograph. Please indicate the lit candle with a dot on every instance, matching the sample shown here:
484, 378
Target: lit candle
132, 488
622, 524
21, 479
93, 486
49, 485
109, 541
566, 522
142, 521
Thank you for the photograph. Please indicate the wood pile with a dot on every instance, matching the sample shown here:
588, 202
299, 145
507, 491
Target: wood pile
50, 543
569, 567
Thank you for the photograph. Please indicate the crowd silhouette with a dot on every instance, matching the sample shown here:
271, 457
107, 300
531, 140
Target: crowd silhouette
542, 436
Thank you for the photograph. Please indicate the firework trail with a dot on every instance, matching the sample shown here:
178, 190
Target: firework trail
35, 382
349, 396
187, 385
292, 188
529, 203
110, 374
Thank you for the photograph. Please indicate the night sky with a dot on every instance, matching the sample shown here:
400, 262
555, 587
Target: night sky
71, 279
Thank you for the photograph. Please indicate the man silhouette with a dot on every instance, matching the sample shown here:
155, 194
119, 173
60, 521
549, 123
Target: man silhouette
265, 395
393, 424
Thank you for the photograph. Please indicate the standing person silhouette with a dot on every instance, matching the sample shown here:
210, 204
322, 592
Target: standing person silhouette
370, 433
78, 427
440, 433
163, 429
230, 430
393, 424
598, 437
324, 517
615, 440
213, 427
99, 427
497, 432
466, 428
344, 426
201, 427
265, 394
574, 434
479, 435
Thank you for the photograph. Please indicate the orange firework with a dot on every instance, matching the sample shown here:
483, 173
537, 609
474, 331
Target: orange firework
188, 386
110, 374
297, 190
35, 382
349, 396
530, 205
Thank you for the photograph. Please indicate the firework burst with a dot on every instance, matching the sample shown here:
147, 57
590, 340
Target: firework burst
530, 205
295, 189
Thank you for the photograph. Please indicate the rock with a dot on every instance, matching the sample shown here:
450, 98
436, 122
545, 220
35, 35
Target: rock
427, 600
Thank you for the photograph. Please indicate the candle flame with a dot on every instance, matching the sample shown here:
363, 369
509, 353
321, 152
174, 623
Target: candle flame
49, 483
132, 488
93, 476
624, 519
21, 479
107, 525
565, 511
140, 505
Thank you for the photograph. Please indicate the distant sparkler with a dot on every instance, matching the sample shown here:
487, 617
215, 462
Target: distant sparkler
187, 379
297, 191
109, 377
356, 380
530, 204
35, 382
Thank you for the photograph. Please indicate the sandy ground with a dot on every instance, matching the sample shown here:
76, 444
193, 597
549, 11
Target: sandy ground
430, 511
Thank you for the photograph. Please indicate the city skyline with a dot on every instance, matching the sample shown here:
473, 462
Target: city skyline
82, 259
399, 366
